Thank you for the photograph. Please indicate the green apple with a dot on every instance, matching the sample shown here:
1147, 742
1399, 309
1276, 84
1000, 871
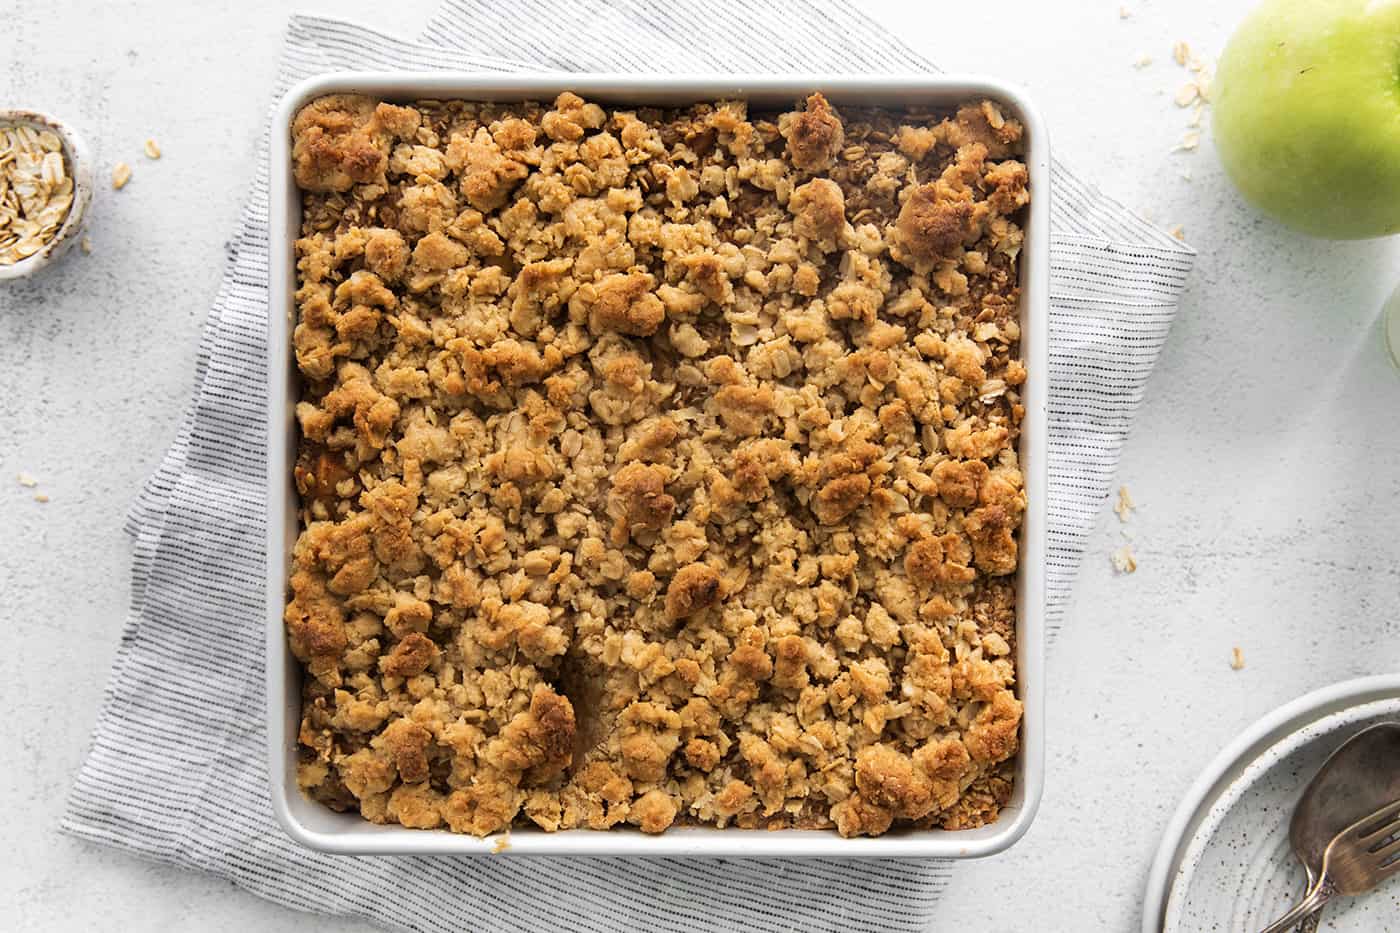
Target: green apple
1307, 114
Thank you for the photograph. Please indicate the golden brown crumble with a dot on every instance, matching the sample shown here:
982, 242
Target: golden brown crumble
657, 466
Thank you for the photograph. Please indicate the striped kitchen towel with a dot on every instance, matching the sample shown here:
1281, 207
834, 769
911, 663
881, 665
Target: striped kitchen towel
177, 769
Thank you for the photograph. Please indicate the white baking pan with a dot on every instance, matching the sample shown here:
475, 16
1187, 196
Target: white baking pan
320, 828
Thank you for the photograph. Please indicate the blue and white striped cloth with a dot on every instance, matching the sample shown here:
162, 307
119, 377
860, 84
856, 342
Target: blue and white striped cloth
177, 767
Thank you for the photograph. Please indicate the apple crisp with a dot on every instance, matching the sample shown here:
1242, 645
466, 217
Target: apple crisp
658, 466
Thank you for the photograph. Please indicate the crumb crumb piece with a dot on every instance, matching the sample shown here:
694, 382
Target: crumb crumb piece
25, 480
1178, 231
41, 497
1142, 61
1181, 53
502, 843
1125, 505
1186, 175
1189, 142
1123, 559
86, 246
152, 149
1187, 94
1236, 658
121, 174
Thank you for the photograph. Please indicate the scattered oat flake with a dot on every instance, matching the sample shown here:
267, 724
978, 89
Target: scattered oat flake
1196, 115
1124, 12
86, 246
1203, 86
1123, 559
121, 174
1181, 53
502, 843
1187, 94
1125, 504
25, 480
1190, 141
40, 497
1186, 176
1236, 658
152, 150
1142, 61
1178, 231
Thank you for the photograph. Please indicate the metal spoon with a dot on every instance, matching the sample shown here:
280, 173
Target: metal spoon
1361, 776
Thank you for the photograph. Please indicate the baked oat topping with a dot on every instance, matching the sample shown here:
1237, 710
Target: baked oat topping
658, 466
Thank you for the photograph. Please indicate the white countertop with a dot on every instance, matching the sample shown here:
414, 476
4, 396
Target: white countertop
1266, 459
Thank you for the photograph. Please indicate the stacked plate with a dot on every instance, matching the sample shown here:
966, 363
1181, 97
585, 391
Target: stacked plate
1225, 862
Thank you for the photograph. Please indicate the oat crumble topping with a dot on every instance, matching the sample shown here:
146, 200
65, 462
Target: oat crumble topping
658, 466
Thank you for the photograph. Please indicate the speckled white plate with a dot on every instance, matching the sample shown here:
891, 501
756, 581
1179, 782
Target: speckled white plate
1224, 865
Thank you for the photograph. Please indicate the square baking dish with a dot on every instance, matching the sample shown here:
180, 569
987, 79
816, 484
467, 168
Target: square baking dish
322, 829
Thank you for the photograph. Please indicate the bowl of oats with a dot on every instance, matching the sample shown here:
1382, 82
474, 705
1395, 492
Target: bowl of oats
45, 187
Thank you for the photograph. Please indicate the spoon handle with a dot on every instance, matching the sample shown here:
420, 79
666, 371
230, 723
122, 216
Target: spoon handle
1320, 894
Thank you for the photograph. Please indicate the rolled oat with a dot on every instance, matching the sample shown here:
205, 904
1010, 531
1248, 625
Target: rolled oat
36, 190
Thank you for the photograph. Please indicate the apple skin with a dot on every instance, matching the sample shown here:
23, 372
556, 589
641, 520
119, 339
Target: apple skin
1307, 114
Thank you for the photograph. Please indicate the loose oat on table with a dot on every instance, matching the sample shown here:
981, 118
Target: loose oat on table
1236, 659
1123, 559
25, 480
121, 174
1125, 504
658, 466
151, 149
41, 497
36, 190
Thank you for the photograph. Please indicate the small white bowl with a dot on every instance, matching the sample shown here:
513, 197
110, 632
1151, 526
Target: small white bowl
79, 160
